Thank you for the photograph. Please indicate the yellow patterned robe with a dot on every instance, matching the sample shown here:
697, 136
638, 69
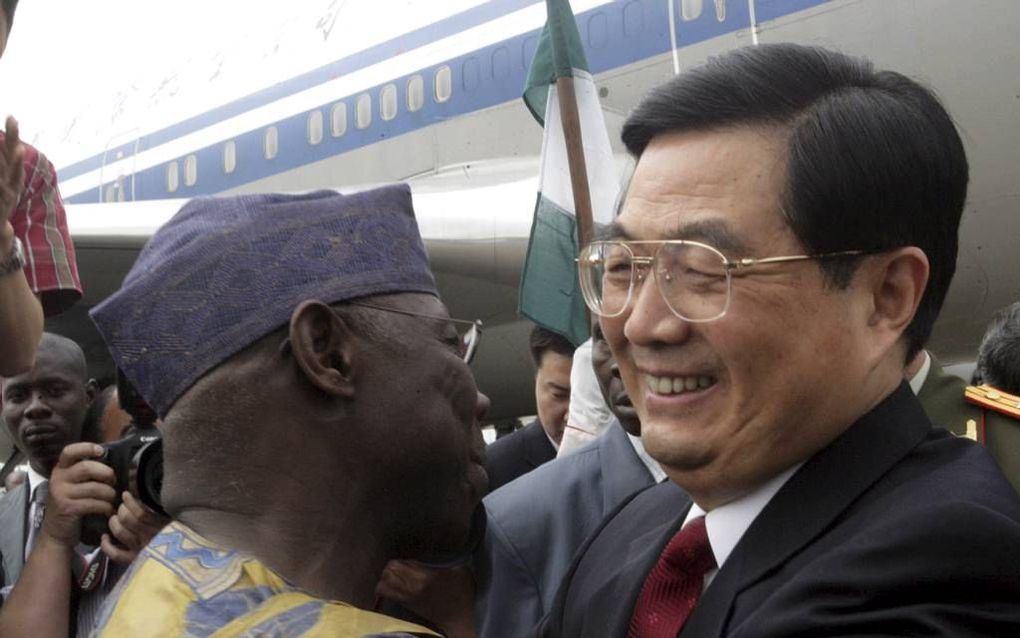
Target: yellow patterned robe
183, 585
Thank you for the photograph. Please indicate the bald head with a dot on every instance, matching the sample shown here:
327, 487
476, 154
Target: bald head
69, 353
45, 408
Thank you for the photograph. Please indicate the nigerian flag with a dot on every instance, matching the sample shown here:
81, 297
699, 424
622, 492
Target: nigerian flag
550, 294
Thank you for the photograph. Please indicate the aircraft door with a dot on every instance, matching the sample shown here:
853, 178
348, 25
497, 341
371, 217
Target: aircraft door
117, 173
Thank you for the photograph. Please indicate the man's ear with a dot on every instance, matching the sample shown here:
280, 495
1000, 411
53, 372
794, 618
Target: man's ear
91, 389
323, 346
897, 281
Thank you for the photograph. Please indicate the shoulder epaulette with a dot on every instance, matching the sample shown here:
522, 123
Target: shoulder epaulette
989, 398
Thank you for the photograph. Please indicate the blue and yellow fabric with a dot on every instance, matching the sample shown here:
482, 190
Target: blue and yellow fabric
183, 585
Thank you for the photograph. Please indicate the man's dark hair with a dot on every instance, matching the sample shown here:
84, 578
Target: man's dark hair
874, 162
543, 340
998, 362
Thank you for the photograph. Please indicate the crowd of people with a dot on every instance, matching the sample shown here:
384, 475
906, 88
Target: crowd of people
780, 453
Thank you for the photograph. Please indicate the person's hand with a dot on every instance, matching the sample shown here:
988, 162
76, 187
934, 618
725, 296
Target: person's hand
78, 486
12, 172
133, 526
442, 596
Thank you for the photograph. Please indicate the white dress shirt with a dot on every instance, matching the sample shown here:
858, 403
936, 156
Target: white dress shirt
727, 523
921, 376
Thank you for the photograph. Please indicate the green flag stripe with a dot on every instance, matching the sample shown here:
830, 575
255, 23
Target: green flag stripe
550, 294
559, 54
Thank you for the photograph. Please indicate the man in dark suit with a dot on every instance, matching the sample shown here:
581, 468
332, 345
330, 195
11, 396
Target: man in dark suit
537, 523
786, 242
536, 443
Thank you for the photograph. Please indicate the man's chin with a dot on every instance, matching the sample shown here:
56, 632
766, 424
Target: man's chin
681, 450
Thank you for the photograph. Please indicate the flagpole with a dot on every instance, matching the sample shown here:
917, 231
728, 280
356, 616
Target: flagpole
569, 118
571, 122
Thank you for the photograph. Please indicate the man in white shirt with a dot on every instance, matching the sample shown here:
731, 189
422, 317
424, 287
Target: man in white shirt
784, 247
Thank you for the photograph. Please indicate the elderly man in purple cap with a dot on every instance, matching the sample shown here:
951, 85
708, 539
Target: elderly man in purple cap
319, 415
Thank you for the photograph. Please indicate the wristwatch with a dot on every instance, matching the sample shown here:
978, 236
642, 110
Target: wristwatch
15, 261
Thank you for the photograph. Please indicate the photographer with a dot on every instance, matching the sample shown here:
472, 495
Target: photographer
45, 410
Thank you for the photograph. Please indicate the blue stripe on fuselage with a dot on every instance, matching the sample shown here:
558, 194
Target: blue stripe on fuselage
615, 35
373, 55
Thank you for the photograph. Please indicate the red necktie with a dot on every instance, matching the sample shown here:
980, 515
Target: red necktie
674, 584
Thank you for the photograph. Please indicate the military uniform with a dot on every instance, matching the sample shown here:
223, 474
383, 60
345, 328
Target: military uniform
999, 427
942, 398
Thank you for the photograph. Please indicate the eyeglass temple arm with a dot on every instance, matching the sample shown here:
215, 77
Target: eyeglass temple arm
747, 262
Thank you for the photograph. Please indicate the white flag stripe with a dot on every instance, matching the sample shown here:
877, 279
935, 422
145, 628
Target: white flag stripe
603, 182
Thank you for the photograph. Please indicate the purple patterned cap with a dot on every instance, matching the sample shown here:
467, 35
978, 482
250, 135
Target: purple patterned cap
226, 271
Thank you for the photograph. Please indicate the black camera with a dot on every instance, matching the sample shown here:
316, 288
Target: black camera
136, 459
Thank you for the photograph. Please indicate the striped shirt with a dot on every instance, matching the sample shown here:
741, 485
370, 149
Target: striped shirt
40, 222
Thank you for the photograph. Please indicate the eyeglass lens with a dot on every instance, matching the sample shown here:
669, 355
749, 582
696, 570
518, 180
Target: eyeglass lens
691, 277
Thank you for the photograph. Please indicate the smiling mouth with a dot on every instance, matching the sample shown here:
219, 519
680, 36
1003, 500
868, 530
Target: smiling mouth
678, 385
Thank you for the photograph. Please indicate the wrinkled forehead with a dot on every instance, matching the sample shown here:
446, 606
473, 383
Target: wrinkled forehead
720, 187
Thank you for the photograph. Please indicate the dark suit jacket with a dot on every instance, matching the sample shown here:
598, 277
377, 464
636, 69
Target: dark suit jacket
893, 529
537, 523
516, 454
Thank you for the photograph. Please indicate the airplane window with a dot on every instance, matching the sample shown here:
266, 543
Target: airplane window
690, 9
111, 193
338, 119
271, 143
633, 19
229, 157
500, 63
315, 133
388, 102
415, 92
190, 170
470, 73
172, 176
363, 111
598, 30
444, 83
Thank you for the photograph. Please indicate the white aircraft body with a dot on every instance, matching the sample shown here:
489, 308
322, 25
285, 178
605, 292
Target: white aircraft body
439, 105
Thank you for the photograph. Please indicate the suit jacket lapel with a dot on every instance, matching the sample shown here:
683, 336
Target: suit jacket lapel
13, 514
623, 473
819, 492
611, 603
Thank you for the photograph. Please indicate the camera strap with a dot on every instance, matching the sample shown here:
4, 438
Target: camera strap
88, 567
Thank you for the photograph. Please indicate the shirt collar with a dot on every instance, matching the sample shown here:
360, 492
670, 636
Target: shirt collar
653, 466
556, 446
35, 479
921, 376
727, 523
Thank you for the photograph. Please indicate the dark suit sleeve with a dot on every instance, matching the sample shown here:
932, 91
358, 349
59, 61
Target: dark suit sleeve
951, 572
505, 580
